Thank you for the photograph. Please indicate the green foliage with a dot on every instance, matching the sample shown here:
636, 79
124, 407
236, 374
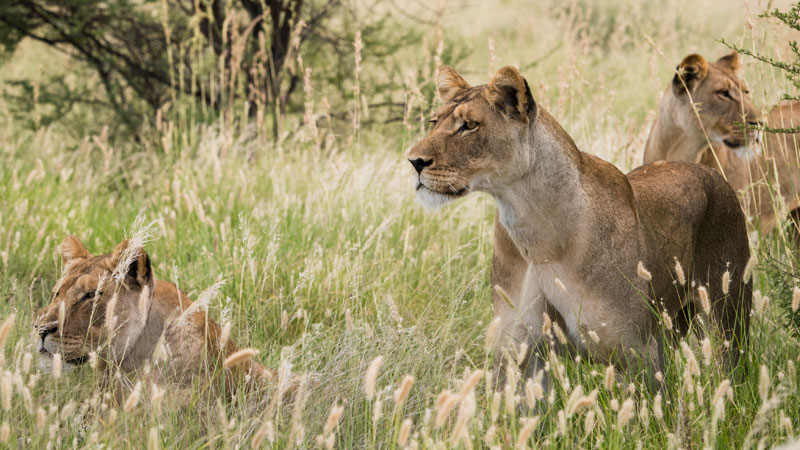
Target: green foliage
199, 60
790, 69
120, 40
784, 274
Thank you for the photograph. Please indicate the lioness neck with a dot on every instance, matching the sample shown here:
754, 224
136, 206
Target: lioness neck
544, 208
143, 348
668, 140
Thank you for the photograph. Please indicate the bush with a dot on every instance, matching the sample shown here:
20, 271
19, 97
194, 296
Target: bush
216, 56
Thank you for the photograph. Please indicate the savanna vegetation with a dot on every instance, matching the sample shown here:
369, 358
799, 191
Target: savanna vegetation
261, 147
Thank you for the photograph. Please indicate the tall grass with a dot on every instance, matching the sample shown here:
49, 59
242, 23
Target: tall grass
328, 263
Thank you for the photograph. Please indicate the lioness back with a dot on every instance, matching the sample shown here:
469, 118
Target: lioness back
722, 245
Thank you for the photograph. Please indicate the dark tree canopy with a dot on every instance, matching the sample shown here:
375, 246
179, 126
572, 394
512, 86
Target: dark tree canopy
143, 51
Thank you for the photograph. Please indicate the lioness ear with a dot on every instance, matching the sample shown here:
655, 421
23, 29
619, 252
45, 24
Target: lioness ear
690, 72
72, 250
510, 92
139, 270
731, 62
449, 83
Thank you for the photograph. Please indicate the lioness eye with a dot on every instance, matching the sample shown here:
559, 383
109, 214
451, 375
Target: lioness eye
470, 125
725, 93
88, 295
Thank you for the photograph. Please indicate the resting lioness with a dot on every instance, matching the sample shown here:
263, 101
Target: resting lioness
715, 136
572, 230
111, 307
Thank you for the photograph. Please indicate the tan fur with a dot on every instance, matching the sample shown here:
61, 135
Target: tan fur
714, 138
571, 229
146, 310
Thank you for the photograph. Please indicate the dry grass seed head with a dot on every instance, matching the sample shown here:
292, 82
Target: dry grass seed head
721, 391
133, 398
528, 425
56, 365
470, 382
643, 272
760, 302
610, 378
239, 357
371, 376
465, 412
491, 333
588, 423
333, 419
377, 410
445, 403
763, 383
265, 431
401, 394
679, 275
667, 320
705, 303
561, 423
6, 389
153, 442
5, 329
705, 346
405, 432
562, 338
547, 325
726, 282
795, 299
625, 413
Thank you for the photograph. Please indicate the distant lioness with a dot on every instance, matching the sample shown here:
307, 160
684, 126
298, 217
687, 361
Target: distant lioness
111, 307
578, 240
716, 136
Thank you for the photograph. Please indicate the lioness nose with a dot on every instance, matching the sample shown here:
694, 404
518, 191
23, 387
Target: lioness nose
420, 164
44, 331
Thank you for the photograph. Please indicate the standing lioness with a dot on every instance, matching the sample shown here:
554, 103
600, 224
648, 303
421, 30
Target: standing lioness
575, 237
704, 116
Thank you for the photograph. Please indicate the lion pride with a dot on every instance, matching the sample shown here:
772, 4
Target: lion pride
579, 244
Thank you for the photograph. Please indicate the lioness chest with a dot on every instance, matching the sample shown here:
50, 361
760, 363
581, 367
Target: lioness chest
592, 320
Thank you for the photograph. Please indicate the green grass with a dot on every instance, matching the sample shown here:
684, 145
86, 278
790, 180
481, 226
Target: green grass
317, 235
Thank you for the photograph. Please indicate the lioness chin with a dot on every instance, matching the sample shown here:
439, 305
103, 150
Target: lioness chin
111, 307
706, 115
579, 243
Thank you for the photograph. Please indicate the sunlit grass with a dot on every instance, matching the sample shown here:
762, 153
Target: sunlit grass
329, 264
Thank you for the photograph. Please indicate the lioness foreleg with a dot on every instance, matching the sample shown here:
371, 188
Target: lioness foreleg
520, 345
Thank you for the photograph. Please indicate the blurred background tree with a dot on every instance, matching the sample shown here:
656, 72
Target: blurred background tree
235, 55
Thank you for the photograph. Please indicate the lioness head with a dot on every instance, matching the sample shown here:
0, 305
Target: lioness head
724, 107
95, 294
478, 140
